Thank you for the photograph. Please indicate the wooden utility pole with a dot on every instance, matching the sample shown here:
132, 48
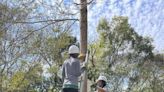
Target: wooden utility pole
83, 38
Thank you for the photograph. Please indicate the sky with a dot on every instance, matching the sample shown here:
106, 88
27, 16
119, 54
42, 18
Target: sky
145, 16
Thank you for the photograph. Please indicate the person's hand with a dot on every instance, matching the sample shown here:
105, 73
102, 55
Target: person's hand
100, 89
83, 64
82, 57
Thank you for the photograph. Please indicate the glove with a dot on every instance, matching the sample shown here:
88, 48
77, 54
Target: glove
83, 67
83, 64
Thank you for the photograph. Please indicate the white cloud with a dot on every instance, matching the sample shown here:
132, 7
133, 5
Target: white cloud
99, 3
76, 1
146, 16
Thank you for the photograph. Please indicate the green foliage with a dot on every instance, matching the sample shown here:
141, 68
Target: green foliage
22, 80
120, 53
17, 79
30, 58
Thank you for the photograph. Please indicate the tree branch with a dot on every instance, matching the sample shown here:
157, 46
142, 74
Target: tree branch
83, 3
42, 21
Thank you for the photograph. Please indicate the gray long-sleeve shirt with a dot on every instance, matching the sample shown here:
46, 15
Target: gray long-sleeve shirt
71, 71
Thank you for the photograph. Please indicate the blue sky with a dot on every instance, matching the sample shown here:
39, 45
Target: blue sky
145, 16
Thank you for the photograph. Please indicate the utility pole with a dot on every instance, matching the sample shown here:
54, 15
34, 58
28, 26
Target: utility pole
83, 38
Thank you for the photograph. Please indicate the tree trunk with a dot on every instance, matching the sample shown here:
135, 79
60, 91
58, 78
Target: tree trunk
83, 38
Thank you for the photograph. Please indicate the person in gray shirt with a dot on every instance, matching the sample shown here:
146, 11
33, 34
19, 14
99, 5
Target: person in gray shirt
71, 70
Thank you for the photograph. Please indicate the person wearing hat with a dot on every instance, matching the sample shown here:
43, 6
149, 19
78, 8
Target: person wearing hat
102, 84
71, 70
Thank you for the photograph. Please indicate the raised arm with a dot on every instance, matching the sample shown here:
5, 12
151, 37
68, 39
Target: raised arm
63, 72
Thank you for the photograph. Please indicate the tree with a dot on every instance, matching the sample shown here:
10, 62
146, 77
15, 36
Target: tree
29, 41
122, 55
83, 38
